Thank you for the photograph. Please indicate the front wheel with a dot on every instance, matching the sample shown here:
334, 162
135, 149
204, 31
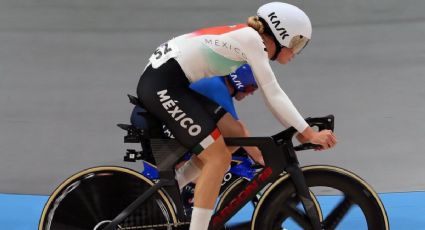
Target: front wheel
240, 184
349, 202
90, 199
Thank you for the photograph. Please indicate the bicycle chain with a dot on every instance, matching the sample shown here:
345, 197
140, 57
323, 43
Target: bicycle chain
154, 226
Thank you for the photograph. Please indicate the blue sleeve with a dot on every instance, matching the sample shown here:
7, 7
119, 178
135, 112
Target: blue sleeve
215, 89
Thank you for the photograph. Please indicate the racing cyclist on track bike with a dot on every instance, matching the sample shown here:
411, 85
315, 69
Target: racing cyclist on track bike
278, 32
221, 90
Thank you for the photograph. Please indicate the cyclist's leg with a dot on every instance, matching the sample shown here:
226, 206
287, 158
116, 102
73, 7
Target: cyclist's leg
165, 93
216, 160
188, 171
228, 126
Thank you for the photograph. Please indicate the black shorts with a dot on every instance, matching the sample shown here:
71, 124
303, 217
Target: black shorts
190, 116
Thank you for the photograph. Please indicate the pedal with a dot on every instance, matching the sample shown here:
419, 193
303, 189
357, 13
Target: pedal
132, 155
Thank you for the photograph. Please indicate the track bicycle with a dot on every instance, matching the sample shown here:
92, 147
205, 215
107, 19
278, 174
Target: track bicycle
110, 197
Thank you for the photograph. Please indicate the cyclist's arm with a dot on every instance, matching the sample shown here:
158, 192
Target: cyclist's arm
283, 109
275, 98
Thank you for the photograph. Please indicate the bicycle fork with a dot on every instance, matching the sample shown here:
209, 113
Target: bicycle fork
302, 190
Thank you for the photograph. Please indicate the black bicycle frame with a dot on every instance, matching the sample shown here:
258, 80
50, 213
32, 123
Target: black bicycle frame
279, 156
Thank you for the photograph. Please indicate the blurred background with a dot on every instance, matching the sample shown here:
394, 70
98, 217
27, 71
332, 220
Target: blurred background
66, 67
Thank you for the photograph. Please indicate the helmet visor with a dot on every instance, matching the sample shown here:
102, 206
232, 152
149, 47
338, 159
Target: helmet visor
298, 43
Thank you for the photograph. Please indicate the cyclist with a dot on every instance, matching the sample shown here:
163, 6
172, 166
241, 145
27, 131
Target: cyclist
222, 90
278, 32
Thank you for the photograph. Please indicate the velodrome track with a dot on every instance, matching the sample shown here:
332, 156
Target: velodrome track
66, 67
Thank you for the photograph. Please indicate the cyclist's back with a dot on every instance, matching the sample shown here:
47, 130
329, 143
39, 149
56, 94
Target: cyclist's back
220, 51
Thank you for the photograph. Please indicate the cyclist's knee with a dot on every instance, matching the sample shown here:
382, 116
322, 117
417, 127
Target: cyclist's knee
216, 154
230, 127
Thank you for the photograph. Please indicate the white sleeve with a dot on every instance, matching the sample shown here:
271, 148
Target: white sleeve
275, 98
282, 107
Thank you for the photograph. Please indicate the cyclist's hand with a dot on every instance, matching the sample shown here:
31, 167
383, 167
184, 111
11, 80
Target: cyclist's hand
325, 138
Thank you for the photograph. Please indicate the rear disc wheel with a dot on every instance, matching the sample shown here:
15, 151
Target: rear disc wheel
90, 199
